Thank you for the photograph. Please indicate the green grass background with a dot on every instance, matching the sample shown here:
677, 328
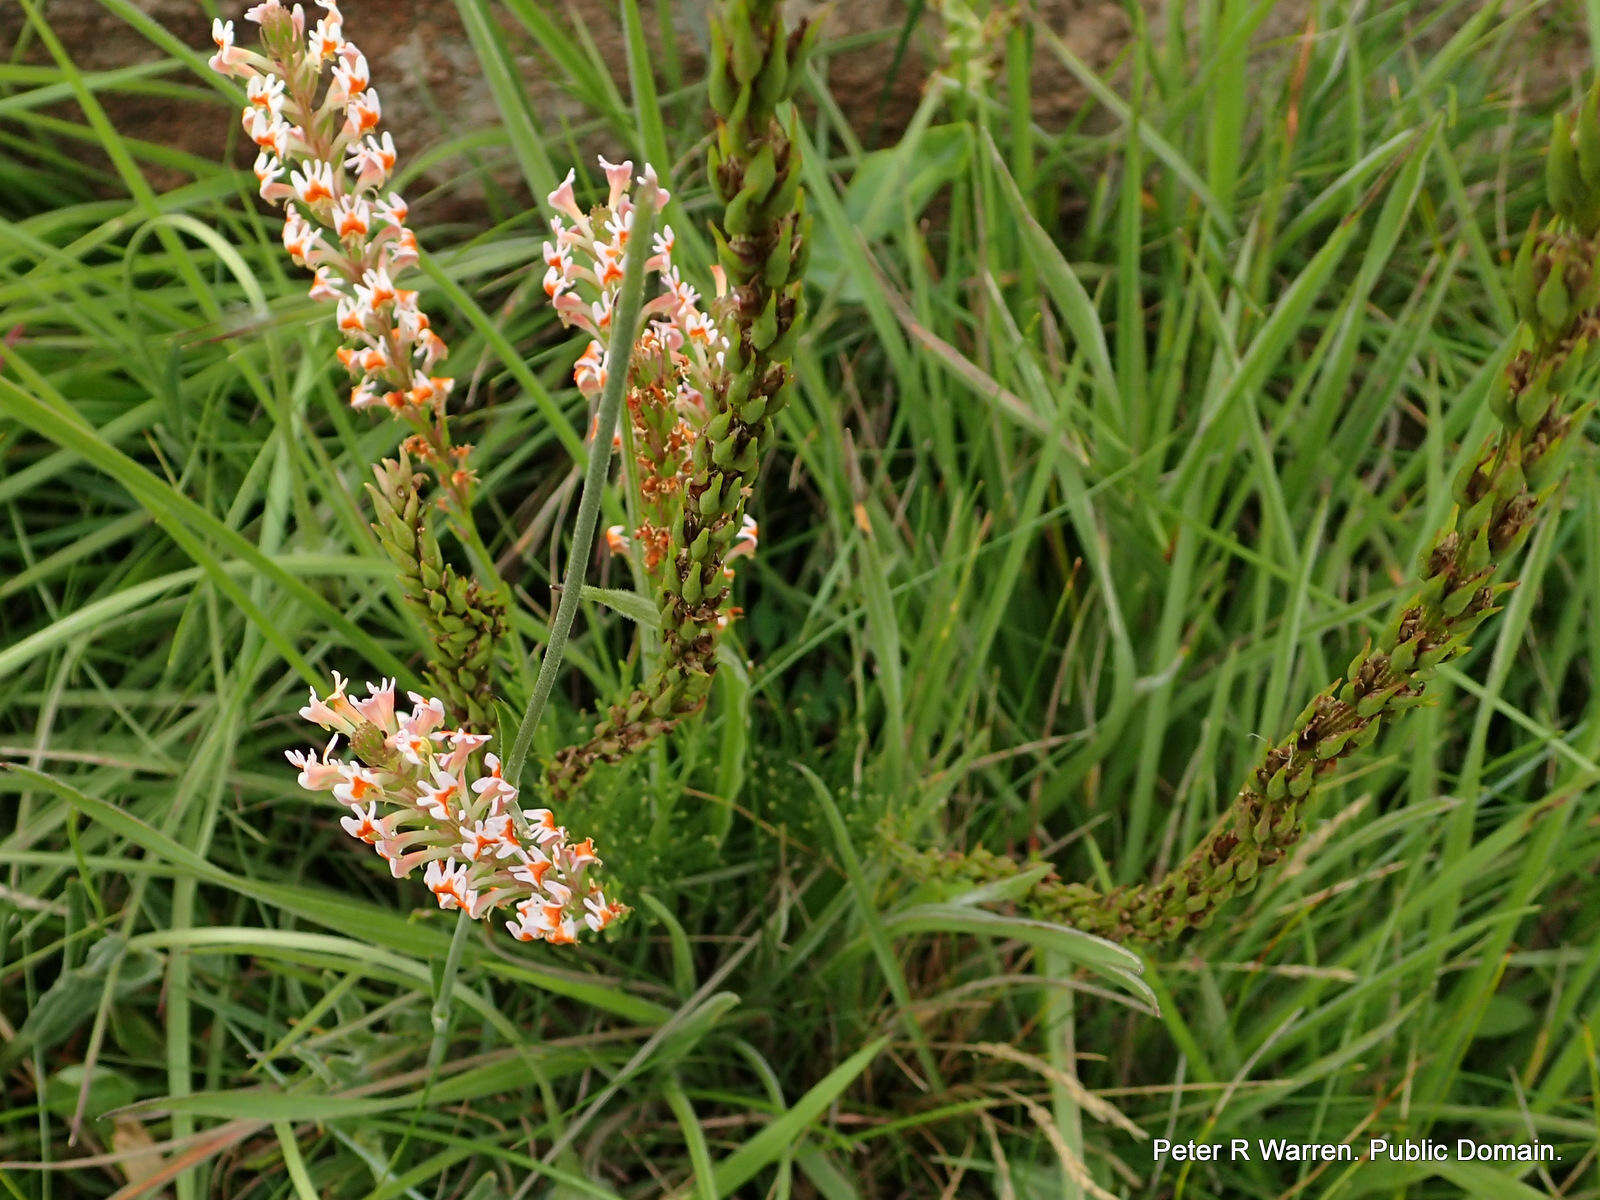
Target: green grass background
1111, 444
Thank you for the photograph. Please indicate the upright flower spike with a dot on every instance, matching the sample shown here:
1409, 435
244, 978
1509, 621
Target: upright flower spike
762, 244
315, 117
416, 792
1556, 286
679, 350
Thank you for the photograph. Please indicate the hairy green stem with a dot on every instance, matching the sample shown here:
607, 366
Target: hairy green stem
447, 984
624, 325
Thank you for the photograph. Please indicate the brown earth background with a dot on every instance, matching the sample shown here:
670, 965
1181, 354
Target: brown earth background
426, 68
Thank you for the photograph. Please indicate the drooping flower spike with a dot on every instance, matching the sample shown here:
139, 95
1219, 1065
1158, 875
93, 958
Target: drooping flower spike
415, 792
313, 114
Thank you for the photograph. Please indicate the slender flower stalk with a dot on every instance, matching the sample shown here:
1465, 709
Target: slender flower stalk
1556, 285
622, 314
417, 793
755, 173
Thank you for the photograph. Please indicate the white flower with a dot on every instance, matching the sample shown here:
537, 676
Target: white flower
229, 59
413, 747
699, 328
463, 744
443, 797
532, 868
268, 171
267, 130
363, 823
326, 40
618, 176
662, 242
578, 856
377, 289
417, 813
299, 238
487, 840
314, 184
493, 789
589, 372
405, 254
316, 774
619, 226
542, 822
356, 784
430, 349
336, 181
425, 389
448, 882
562, 199
265, 92
597, 913
392, 210
650, 186
378, 706
350, 77
608, 270
351, 217
362, 114
353, 315
324, 286
558, 278
329, 713
371, 160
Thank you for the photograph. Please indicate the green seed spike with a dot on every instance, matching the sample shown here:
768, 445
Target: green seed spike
1555, 282
1524, 283
1566, 375
1533, 400
1371, 705
1278, 785
463, 622
1300, 784
1330, 747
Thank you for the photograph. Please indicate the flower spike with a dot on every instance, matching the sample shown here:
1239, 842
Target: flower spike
328, 163
414, 796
